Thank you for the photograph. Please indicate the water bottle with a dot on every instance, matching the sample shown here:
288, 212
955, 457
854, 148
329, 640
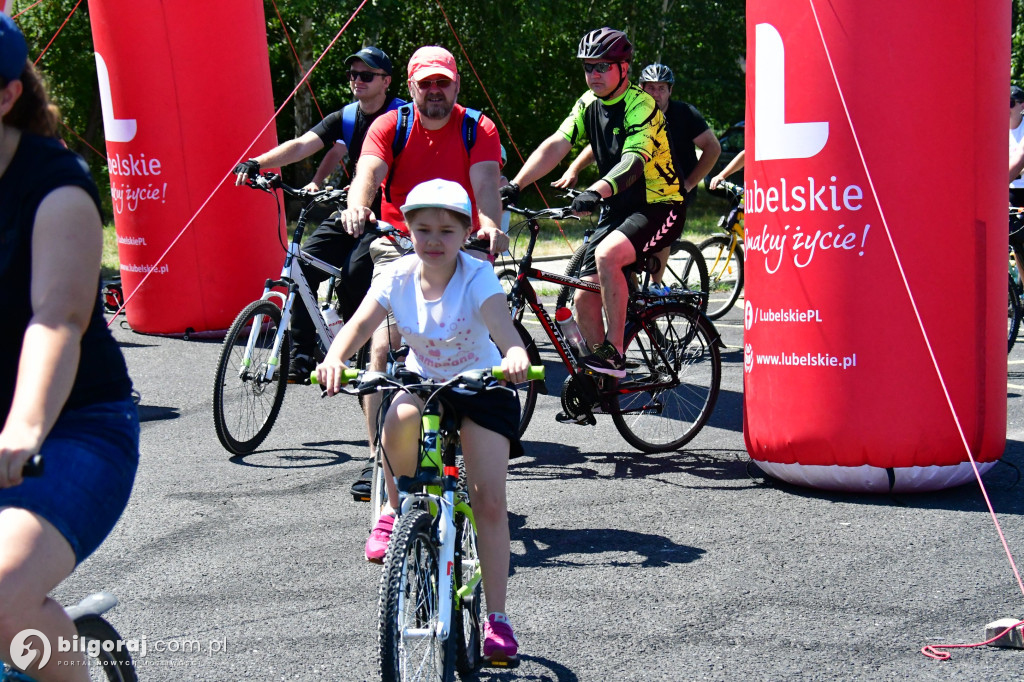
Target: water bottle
332, 319
571, 331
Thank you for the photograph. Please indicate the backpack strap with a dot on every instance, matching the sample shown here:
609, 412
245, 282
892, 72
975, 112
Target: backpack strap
469, 125
348, 122
403, 129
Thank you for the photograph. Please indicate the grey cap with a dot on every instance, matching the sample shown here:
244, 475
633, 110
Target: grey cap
373, 57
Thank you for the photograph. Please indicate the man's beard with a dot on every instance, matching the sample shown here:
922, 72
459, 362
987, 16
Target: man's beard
437, 109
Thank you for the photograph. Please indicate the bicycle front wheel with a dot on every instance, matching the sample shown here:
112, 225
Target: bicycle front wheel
112, 661
245, 404
725, 273
567, 294
407, 637
674, 373
468, 625
1013, 313
528, 390
687, 271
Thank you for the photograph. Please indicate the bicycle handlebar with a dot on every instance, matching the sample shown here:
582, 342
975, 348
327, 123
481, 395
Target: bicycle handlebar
268, 182
732, 188
349, 375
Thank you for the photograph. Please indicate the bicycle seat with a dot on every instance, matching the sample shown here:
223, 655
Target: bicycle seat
94, 605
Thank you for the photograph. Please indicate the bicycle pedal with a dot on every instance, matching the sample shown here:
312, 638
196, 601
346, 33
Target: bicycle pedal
360, 498
503, 663
582, 420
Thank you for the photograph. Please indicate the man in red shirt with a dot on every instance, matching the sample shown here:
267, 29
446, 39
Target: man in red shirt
436, 148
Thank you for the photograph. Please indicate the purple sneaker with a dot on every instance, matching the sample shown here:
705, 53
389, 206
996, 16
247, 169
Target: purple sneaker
500, 642
377, 543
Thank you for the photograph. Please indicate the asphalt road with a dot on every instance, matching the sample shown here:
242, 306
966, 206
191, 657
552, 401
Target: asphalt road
689, 565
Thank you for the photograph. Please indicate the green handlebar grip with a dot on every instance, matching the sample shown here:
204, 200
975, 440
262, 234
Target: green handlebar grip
346, 376
535, 373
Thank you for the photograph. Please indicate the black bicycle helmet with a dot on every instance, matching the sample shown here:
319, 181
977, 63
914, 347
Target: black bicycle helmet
606, 43
657, 73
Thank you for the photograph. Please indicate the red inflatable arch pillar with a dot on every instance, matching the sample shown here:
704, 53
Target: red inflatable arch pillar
185, 88
872, 117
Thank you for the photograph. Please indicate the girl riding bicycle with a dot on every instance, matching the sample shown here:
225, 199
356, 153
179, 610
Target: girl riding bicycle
448, 306
64, 387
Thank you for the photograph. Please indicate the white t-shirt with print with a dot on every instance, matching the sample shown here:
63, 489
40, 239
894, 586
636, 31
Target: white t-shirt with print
448, 335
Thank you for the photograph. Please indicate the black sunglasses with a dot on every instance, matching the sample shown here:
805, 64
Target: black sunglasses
365, 76
600, 67
426, 84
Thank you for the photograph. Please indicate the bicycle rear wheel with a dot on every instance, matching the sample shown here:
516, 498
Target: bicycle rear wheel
245, 404
1013, 314
687, 271
674, 373
113, 665
407, 640
725, 273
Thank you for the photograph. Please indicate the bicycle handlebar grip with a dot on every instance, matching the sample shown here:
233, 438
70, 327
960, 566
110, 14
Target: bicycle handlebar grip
346, 376
535, 373
33, 467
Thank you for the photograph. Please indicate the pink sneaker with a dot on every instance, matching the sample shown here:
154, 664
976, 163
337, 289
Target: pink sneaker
377, 543
500, 642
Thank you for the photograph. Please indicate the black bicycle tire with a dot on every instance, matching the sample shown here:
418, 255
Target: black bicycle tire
698, 331
238, 330
412, 527
467, 623
723, 241
117, 665
566, 293
1013, 310
695, 259
528, 400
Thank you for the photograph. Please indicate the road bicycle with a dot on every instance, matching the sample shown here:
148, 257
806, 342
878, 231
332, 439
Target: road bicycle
672, 352
685, 270
723, 255
252, 371
105, 651
1015, 300
431, 590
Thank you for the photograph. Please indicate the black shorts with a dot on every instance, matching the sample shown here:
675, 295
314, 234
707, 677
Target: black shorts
648, 230
496, 410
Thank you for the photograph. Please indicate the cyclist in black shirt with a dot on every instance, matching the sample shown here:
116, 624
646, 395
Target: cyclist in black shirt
369, 76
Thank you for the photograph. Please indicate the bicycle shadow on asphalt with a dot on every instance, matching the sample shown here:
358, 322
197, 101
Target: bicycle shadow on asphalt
558, 672
728, 412
555, 461
310, 456
1002, 481
152, 413
546, 547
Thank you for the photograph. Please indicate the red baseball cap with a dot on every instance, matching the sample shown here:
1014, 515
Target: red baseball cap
432, 60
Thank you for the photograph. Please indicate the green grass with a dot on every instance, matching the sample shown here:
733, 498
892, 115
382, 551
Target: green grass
110, 265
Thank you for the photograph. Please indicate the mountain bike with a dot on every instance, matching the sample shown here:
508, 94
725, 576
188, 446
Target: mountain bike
431, 590
252, 371
105, 651
673, 361
723, 255
685, 270
1015, 299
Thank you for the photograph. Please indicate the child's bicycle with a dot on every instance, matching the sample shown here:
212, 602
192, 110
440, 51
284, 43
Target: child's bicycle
723, 254
105, 652
673, 362
431, 594
252, 372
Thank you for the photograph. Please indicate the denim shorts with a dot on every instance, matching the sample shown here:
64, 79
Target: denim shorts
89, 464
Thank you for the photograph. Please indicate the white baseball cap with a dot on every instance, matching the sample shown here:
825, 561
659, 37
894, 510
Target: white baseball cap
439, 193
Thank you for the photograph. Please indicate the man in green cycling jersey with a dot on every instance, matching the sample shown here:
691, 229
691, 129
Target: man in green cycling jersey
639, 185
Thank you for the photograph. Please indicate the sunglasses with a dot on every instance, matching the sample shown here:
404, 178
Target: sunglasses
365, 76
439, 82
600, 67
